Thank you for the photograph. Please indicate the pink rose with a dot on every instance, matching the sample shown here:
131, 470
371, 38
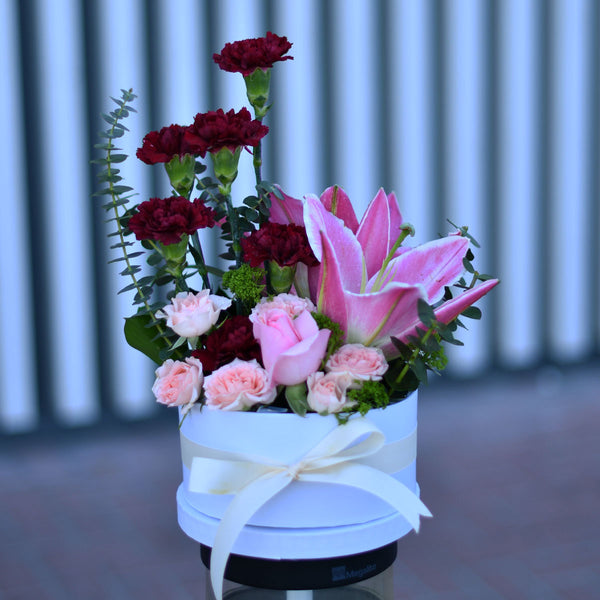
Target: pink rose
359, 362
190, 315
291, 348
178, 383
291, 304
238, 386
327, 392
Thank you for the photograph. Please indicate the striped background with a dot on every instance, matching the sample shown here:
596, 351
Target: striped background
483, 112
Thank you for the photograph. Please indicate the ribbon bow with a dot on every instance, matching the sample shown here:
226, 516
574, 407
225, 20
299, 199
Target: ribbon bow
255, 480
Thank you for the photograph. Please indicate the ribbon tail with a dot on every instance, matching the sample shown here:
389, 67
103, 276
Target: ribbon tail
377, 483
246, 502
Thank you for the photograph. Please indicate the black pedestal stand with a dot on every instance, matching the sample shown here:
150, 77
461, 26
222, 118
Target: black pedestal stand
311, 574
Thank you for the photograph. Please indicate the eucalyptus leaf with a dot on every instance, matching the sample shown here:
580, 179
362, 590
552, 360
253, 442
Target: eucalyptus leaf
472, 312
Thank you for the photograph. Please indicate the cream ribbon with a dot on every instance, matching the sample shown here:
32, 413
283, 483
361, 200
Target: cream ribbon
255, 480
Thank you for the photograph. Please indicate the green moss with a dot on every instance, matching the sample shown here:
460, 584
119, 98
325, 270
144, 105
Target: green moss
246, 283
337, 335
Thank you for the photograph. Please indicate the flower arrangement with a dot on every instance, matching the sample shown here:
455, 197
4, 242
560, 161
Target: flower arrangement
315, 309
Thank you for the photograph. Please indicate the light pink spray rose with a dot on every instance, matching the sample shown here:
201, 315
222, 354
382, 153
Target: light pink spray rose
293, 305
238, 386
191, 315
178, 383
292, 347
327, 392
359, 362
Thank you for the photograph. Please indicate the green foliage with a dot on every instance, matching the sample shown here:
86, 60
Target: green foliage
245, 283
372, 394
336, 338
296, 398
144, 332
140, 333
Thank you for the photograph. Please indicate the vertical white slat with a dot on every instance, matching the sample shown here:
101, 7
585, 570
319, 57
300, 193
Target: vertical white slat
354, 100
69, 260
18, 393
182, 70
122, 33
411, 103
466, 162
299, 100
519, 230
230, 86
570, 263
183, 73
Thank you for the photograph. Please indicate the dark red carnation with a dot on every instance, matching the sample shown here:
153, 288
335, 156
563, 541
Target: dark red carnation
233, 339
287, 245
257, 53
215, 130
161, 146
165, 220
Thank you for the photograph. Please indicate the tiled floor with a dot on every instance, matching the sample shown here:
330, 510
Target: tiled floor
510, 469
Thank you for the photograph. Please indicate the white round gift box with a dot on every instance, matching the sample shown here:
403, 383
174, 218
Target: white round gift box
306, 519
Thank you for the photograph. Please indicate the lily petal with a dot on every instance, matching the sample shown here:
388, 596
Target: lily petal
329, 293
452, 308
286, 211
379, 229
336, 201
374, 317
434, 264
445, 313
317, 221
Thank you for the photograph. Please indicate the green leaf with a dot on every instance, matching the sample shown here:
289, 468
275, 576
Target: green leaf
154, 259
468, 266
472, 312
420, 370
296, 398
139, 333
426, 314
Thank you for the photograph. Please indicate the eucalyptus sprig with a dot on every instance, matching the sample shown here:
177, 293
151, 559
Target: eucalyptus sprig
143, 331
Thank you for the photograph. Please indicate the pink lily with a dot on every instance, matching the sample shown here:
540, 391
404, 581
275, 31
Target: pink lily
369, 287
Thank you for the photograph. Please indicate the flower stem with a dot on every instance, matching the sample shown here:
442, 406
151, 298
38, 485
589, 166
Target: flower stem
405, 230
201, 264
413, 357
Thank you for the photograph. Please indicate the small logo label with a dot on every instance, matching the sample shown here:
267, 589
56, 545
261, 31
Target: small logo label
342, 573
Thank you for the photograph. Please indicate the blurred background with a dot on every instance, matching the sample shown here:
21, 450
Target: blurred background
484, 112
481, 112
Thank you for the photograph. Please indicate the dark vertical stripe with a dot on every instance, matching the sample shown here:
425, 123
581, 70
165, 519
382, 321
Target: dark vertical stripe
438, 159
100, 278
325, 37
271, 167
385, 30
207, 49
36, 175
545, 101
593, 155
491, 196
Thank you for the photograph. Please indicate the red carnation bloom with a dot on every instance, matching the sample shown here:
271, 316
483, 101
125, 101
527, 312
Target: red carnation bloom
246, 56
161, 146
166, 220
287, 245
215, 130
233, 339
